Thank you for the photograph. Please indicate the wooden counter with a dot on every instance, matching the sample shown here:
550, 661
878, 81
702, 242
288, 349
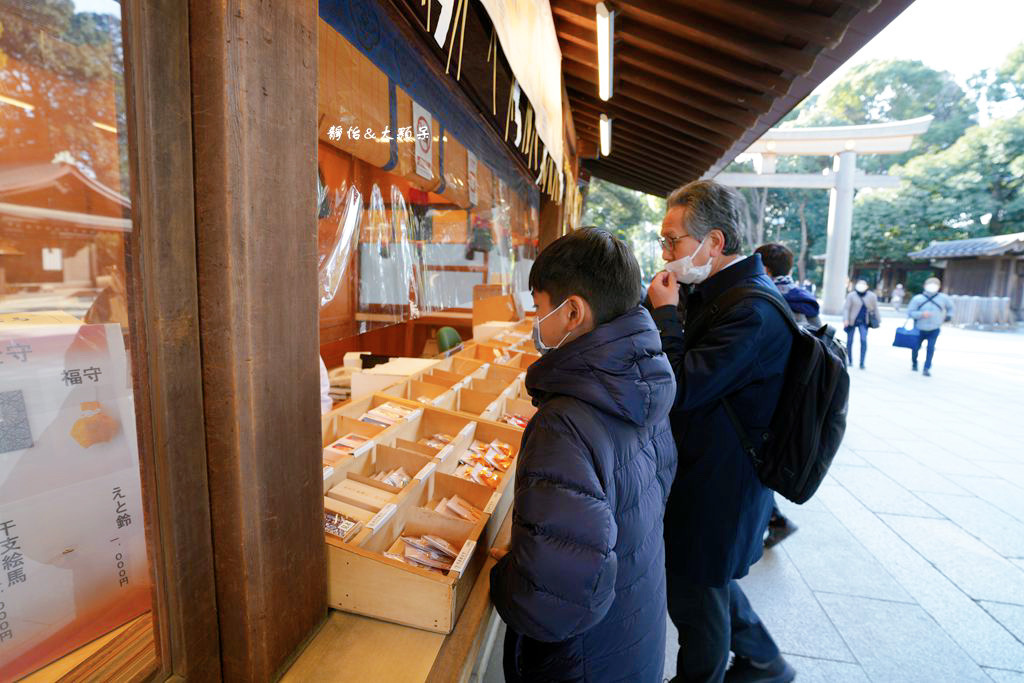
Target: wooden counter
354, 648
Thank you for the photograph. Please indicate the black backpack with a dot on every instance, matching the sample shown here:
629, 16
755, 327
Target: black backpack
810, 417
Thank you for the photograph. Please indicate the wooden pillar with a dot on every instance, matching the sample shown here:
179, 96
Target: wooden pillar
550, 222
254, 102
165, 330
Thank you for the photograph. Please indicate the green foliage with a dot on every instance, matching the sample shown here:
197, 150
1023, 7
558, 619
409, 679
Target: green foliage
894, 90
1008, 80
632, 216
947, 195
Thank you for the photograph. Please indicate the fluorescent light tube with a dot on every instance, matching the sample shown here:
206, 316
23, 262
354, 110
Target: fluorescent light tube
605, 50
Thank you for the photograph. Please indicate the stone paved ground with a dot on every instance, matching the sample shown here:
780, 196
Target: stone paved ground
909, 562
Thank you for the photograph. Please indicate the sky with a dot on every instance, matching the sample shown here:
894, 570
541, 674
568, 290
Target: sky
959, 36
98, 6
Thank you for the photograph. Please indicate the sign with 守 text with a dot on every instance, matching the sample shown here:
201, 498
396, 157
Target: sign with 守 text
472, 178
421, 120
73, 561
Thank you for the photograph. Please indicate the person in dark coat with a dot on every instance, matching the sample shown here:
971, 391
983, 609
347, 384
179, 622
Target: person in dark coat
778, 264
582, 586
718, 507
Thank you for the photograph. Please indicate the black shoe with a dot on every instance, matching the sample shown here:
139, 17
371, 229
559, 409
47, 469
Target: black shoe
744, 670
777, 533
861, 366
913, 366
927, 373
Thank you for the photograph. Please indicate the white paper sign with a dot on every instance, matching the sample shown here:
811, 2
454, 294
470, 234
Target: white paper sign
443, 454
381, 518
427, 470
422, 129
492, 503
472, 179
328, 473
459, 565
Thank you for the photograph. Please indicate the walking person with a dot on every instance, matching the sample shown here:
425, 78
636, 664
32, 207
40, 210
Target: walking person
896, 299
718, 508
859, 313
929, 310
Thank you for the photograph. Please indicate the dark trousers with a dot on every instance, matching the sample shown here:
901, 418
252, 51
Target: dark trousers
711, 622
863, 328
926, 336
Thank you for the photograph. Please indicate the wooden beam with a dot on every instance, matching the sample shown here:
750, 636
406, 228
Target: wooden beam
649, 175
774, 19
653, 128
656, 113
629, 155
607, 172
670, 70
253, 78
713, 124
718, 35
582, 63
667, 156
699, 57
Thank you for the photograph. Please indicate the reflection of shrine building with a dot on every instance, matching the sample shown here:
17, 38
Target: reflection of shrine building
57, 227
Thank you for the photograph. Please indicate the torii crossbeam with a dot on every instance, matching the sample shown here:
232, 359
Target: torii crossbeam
843, 143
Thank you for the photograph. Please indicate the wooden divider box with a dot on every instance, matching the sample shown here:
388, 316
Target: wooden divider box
362, 578
422, 392
489, 353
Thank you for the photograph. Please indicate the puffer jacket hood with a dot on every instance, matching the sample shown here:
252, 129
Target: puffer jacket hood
617, 367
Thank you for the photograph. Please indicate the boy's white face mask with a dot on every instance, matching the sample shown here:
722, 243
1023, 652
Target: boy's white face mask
686, 272
538, 341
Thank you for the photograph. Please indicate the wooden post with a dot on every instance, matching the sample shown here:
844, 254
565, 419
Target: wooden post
254, 102
165, 339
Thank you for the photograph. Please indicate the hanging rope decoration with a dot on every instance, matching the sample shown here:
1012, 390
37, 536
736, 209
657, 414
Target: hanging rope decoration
529, 145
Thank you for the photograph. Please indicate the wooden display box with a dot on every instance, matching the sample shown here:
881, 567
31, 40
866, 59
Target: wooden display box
363, 580
482, 404
334, 425
444, 378
487, 353
423, 393
524, 360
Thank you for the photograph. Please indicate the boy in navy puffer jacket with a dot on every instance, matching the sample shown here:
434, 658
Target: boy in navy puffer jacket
582, 586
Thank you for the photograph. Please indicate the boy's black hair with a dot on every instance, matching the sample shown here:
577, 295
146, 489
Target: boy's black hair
593, 264
777, 258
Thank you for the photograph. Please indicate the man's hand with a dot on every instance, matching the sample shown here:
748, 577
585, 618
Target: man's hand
664, 290
498, 553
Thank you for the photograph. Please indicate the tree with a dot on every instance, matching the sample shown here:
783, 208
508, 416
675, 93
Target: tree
973, 188
629, 215
69, 67
881, 91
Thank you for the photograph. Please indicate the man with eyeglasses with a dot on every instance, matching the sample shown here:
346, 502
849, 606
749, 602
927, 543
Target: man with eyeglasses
718, 508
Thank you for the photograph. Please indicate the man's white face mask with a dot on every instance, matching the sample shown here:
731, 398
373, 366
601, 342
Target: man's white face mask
931, 288
686, 272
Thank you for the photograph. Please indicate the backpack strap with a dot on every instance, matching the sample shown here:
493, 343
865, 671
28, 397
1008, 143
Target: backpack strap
731, 297
721, 304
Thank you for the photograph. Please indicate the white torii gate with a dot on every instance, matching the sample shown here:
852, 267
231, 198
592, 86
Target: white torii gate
843, 143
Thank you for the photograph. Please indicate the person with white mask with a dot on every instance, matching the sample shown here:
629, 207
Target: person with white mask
859, 313
929, 310
729, 365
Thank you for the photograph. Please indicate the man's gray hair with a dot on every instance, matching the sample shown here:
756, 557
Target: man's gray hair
711, 206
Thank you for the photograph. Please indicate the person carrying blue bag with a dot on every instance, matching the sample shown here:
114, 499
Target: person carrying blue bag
929, 310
